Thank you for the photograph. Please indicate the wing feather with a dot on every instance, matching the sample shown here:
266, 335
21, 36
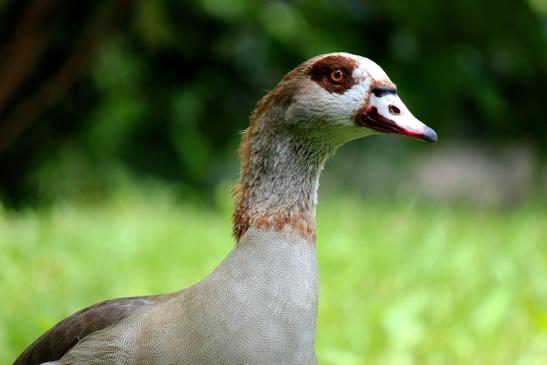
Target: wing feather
58, 340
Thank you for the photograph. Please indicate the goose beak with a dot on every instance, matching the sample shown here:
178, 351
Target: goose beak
386, 113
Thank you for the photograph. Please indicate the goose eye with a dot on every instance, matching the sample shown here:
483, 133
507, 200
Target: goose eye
337, 76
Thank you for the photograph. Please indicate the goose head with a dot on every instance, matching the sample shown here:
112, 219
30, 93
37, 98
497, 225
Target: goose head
339, 97
317, 107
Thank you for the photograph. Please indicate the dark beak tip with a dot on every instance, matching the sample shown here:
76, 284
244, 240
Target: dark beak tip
429, 135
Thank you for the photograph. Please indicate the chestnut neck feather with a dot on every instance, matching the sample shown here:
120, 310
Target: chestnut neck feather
280, 168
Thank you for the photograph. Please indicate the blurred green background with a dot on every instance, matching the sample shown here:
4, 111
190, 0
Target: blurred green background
119, 127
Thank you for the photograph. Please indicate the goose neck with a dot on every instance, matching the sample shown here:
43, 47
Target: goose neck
279, 181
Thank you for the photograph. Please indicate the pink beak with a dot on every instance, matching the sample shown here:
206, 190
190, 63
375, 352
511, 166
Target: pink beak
387, 113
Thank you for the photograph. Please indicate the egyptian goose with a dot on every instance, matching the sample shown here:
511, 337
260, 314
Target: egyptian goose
259, 306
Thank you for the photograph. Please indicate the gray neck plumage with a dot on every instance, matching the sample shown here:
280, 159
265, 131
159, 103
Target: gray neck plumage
273, 269
279, 178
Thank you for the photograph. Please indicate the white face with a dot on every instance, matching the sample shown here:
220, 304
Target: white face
355, 95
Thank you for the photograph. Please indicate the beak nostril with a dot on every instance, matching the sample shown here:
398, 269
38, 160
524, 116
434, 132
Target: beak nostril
393, 109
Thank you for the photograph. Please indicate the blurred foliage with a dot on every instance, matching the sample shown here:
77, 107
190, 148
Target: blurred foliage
173, 82
158, 90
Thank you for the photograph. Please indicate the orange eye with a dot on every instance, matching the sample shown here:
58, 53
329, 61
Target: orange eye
337, 76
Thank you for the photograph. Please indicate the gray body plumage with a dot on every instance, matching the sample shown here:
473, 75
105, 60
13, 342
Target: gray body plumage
258, 307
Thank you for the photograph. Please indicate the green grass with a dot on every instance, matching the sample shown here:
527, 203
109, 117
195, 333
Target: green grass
401, 282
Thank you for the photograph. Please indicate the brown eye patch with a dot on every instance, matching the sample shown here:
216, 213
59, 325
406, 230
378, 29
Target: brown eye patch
334, 73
